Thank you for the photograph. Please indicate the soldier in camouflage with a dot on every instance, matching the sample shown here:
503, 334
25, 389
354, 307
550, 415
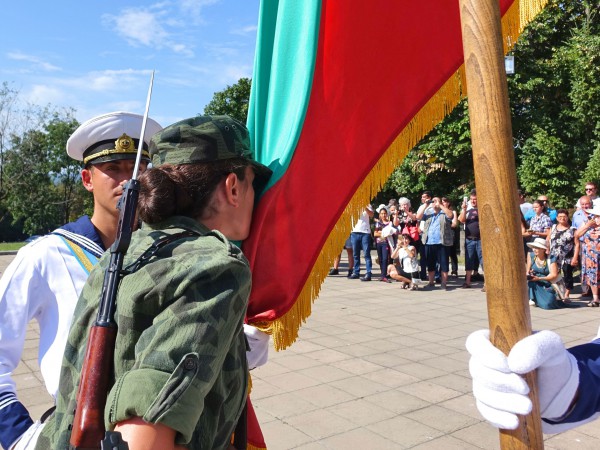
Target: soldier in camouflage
180, 370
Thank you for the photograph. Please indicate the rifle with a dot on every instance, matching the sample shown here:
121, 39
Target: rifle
88, 424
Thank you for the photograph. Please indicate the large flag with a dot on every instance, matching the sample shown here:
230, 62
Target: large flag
341, 91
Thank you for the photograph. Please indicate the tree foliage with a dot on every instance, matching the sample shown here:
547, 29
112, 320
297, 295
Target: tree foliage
233, 101
555, 106
41, 181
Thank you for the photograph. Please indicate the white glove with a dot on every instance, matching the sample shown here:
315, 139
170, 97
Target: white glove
259, 346
28, 440
500, 391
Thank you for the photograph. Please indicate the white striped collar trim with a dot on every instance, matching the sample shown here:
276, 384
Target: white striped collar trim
82, 241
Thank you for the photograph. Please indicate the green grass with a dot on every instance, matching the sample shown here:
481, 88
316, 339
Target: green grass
7, 246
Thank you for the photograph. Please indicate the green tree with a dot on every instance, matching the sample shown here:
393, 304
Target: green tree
555, 98
64, 171
42, 183
233, 101
555, 106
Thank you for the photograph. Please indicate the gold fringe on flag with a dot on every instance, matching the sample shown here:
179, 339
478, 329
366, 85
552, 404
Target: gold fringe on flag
285, 329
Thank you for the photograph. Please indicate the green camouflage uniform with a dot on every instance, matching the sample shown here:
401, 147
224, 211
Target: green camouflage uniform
180, 352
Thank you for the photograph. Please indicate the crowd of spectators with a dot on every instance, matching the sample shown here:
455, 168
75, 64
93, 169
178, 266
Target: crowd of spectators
419, 247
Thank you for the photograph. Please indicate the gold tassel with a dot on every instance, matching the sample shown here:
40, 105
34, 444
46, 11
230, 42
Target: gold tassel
285, 329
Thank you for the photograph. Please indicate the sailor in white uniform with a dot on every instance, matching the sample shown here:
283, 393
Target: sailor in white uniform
44, 280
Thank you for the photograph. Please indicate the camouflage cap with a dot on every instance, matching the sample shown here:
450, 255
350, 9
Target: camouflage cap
204, 139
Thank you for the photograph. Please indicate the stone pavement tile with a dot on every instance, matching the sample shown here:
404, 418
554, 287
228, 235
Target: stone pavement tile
311, 446
32, 364
358, 350
390, 377
29, 353
445, 443
397, 402
410, 342
420, 371
332, 341
328, 355
460, 383
481, 435
405, 432
360, 386
286, 436
309, 334
291, 381
408, 349
271, 369
263, 415
389, 331
441, 418
320, 423
326, 373
36, 395
574, 439
21, 369
305, 346
324, 395
590, 429
284, 405
437, 348
356, 366
328, 329
464, 404
294, 362
26, 381
360, 438
447, 364
262, 389
386, 360
430, 391
382, 345
361, 412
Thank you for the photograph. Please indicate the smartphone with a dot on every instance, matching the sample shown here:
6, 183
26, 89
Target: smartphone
465, 199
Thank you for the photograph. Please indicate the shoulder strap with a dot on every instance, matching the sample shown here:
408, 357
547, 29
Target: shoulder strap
145, 257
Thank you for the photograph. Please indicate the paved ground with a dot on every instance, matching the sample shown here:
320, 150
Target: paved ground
376, 367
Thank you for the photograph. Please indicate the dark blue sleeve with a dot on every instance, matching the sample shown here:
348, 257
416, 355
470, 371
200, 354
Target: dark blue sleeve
14, 419
588, 402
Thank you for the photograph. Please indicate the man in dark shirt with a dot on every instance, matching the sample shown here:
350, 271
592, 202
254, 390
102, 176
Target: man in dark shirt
470, 217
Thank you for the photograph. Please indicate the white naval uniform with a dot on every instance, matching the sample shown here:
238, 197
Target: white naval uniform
43, 282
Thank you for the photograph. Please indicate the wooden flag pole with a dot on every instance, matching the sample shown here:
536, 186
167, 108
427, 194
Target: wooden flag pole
496, 183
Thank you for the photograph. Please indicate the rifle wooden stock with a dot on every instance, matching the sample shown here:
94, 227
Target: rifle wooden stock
88, 424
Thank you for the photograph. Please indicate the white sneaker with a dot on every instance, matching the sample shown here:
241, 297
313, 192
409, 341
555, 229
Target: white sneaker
531, 302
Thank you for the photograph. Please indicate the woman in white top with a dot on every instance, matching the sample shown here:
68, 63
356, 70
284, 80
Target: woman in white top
405, 267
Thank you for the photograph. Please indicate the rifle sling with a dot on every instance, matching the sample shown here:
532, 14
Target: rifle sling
151, 251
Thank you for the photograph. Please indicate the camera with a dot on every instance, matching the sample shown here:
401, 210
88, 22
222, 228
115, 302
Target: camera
529, 277
429, 202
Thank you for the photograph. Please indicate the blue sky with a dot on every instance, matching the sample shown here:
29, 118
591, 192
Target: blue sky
97, 56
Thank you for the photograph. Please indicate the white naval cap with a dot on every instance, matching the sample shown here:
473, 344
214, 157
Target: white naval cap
110, 137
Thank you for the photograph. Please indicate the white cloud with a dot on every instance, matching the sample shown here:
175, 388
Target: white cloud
41, 94
192, 9
146, 27
37, 62
107, 81
244, 31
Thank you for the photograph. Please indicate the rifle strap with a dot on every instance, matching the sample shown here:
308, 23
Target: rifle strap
151, 251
